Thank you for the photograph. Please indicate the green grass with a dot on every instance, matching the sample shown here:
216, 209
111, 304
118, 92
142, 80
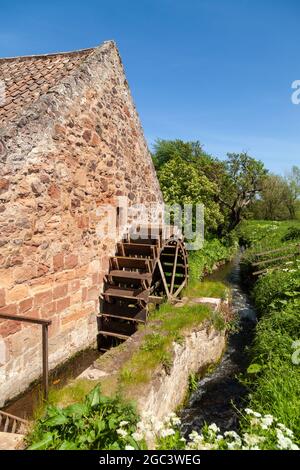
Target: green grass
260, 235
206, 288
203, 262
169, 325
264, 236
275, 388
71, 393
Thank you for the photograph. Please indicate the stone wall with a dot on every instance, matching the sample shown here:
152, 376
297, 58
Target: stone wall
166, 390
80, 146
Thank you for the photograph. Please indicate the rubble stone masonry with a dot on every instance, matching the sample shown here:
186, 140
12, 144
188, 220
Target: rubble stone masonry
77, 147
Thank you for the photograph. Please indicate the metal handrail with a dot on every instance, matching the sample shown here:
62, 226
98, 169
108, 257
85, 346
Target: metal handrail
12, 423
45, 324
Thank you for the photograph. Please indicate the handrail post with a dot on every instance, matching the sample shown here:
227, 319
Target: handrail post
45, 361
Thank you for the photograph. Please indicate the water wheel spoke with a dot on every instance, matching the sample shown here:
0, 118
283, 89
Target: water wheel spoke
163, 278
174, 268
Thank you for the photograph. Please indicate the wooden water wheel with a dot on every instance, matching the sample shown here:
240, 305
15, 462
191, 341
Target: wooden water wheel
146, 269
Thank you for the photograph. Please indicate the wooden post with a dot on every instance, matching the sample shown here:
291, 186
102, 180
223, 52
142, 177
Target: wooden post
174, 269
163, 279
45, 362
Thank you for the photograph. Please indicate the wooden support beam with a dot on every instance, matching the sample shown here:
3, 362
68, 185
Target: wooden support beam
174, 269
180, 288
163, 278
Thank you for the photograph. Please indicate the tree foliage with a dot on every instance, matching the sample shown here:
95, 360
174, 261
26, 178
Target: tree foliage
279, 197
182, 183
243, 180
226, 188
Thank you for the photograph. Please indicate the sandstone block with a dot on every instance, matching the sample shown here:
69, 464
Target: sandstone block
58, 261
43, 298
9, 327
60, 291
17, 293
63, 304
25, 305
2, 297
71, 261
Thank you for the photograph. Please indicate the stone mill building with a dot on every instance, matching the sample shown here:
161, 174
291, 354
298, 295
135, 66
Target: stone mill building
70, 141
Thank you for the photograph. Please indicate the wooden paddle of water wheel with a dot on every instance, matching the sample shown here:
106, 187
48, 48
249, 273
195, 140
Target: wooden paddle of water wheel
150, 265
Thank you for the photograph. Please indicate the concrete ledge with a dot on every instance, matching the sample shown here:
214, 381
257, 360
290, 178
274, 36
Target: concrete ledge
10, 441
167, 388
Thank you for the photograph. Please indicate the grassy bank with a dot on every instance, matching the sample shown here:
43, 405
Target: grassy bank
274, 380
205, 261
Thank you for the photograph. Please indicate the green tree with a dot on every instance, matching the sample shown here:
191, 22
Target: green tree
165, 150
187, 174
181, 183
272, 203
293, 180
243, 180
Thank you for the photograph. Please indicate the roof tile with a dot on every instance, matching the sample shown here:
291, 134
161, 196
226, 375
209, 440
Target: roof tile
27, 78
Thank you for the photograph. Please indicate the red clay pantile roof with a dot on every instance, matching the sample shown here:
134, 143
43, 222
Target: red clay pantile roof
27, 78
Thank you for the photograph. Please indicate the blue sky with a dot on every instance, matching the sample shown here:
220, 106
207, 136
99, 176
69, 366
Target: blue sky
218, 71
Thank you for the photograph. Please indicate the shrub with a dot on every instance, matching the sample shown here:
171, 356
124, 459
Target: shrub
98, 422
293, 233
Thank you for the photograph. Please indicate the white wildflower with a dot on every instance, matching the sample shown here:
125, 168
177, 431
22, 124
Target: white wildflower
129, 448
266, 421
138, 436
123, 423
195, 437
231, 445
167, 432
122, 432
252, 440
169, 418
214, 428
283, 442
232, 434
289, 433
254, 422
176, 421
286, 430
